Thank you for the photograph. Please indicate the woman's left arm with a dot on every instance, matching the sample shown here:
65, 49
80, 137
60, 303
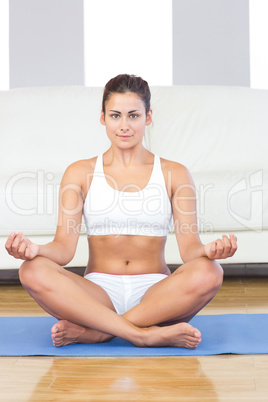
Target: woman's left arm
185, 221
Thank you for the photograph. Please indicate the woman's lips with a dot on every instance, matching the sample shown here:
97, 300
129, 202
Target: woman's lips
124, 136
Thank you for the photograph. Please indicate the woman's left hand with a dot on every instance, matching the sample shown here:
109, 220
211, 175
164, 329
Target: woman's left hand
221, 248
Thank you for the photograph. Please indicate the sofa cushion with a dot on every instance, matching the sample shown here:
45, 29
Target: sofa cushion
210, 129
232, 201
49, 128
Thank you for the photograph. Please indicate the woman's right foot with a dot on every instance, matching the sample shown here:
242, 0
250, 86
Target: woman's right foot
65, 333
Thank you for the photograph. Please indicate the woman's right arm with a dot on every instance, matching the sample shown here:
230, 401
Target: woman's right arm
62, 249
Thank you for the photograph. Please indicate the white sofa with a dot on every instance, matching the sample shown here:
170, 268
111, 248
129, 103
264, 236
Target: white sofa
219, 133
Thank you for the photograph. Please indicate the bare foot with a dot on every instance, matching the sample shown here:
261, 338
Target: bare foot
181, 335
65, 333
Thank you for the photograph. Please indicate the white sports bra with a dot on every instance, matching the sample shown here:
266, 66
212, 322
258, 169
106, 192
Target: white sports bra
146, 212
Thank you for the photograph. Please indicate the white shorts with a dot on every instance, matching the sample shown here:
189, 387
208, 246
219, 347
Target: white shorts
125, 291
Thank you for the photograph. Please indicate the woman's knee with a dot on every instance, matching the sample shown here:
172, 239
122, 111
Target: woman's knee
208, 275
31, 273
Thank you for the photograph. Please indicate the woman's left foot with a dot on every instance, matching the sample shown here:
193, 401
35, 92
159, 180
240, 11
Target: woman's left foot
182, 335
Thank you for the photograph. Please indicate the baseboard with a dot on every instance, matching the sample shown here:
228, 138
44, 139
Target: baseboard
11, 276
240, 270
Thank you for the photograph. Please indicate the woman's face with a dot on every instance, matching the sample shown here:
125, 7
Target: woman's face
125, 119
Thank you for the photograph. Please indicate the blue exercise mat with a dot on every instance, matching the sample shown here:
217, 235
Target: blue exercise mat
221, 334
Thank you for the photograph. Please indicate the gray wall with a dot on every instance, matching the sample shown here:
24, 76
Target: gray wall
46, 42
211, 42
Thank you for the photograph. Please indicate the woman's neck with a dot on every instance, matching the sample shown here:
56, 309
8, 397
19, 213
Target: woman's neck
126, 157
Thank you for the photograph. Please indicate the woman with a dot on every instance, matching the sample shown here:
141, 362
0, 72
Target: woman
128, 197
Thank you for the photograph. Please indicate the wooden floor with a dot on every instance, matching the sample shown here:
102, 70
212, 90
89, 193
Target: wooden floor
212, 378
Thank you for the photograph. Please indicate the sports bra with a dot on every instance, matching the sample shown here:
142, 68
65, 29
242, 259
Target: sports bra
146, 212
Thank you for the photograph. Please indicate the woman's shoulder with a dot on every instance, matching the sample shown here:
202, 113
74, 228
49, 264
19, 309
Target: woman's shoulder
176, 172
79, 175
77, 171
82, 165
173, 166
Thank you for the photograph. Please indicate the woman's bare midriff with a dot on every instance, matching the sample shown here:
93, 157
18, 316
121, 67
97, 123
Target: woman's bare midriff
126, 255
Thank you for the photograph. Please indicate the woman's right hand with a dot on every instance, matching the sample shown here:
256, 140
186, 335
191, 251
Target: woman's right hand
21, 247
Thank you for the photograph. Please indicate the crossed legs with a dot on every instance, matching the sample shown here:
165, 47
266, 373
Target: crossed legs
87, 314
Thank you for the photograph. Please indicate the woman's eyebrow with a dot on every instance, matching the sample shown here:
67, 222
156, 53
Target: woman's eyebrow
116, 111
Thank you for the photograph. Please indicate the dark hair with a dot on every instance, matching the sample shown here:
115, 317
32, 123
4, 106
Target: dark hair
127, 83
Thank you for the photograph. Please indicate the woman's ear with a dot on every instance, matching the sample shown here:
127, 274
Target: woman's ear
102, 118
149, 117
